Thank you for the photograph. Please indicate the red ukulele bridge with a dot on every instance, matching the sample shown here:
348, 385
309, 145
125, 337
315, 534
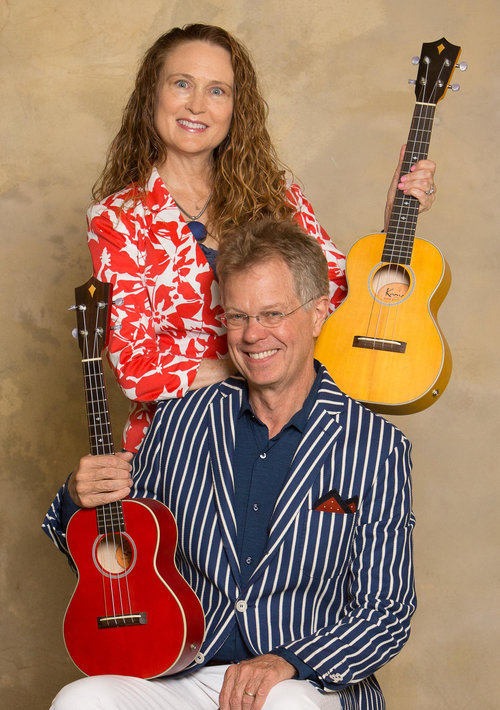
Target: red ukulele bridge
113, 622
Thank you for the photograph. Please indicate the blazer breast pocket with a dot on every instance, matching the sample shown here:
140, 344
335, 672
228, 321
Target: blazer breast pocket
326, 542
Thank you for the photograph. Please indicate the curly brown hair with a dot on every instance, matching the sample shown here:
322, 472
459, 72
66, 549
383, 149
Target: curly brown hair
248, 178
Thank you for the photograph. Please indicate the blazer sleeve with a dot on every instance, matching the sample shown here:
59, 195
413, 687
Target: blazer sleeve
382, 598
57, 517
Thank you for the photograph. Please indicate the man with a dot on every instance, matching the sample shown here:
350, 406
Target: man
293, 504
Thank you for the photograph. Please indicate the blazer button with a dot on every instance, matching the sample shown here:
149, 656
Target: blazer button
241, 605
337, 677
199, 658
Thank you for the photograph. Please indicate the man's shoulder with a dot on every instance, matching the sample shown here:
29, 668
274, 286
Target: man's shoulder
351, 413
203, 397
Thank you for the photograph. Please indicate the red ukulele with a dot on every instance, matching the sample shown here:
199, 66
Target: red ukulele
131, 612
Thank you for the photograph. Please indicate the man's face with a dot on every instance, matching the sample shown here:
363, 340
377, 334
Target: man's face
277, 358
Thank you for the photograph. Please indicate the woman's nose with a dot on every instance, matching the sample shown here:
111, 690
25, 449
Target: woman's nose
196, 101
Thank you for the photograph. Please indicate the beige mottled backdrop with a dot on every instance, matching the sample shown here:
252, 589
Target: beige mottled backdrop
335, 75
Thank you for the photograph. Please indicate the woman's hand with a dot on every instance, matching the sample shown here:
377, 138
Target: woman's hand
212, 370
419, 183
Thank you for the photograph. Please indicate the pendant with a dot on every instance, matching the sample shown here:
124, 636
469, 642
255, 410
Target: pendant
198, 230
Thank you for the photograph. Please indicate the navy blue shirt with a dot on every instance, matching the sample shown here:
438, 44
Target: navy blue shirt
260, 467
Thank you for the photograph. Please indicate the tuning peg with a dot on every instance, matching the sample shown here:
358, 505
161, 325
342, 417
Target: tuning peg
74, 333
415, 60
463, 66
118, 301
116, 327
72, 308
454, 87
412, 81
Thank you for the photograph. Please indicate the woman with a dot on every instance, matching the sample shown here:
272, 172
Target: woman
192, 159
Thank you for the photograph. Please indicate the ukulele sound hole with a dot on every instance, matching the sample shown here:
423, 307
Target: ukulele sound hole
391, 283
114, 553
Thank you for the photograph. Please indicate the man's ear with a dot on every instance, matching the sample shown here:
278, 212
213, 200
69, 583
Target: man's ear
320, 309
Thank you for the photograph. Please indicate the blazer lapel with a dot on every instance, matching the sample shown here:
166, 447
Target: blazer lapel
223, 414
319, 437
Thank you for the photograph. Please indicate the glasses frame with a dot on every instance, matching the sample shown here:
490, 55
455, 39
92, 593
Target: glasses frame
246, 318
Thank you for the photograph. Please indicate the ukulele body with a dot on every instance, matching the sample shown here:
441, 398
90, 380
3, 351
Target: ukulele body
383, 345
131, 612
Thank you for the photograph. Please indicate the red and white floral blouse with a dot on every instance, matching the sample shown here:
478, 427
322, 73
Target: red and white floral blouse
166, 322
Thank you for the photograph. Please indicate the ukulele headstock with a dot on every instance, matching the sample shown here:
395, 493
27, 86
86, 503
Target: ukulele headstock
437, 62
92, 305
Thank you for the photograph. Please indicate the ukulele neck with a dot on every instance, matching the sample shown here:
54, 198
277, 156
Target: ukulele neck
99, 425
398, 247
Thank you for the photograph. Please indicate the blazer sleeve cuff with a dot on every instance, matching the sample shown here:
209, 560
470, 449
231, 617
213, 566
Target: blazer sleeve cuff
304, 672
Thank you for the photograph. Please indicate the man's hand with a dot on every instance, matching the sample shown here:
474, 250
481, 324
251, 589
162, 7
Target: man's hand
247, 684
101, 479
419, 182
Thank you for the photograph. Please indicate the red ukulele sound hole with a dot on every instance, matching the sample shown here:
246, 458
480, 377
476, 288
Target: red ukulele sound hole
114, 553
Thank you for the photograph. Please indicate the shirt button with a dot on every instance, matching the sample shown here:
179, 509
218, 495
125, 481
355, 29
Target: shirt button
241, 605
255, 507
263, 456
249, 560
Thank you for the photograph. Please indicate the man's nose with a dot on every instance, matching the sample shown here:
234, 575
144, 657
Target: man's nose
253, 329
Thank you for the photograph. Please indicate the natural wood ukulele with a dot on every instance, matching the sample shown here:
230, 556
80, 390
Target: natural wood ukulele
383, 345
131, 613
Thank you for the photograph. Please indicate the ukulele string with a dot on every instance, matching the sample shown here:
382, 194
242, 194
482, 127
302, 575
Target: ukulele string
92, 419
402, 248
103, 438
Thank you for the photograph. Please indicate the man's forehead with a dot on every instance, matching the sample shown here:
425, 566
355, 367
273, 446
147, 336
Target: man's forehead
273, 274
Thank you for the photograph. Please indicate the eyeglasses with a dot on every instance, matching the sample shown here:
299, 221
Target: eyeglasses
268, 319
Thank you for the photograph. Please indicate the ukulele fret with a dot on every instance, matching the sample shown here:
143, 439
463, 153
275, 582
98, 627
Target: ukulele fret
110, 519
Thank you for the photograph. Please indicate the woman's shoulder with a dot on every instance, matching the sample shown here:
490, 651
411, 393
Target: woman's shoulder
296, 198
134, 197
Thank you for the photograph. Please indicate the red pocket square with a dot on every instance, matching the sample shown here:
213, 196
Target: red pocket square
333, 503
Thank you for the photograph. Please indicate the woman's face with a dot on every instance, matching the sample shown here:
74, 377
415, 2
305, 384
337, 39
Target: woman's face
195, 99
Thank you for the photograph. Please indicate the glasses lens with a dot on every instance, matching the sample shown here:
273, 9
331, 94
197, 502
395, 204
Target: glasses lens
234, 320
270, 320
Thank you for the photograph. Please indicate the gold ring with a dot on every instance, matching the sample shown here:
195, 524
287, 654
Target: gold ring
252, 695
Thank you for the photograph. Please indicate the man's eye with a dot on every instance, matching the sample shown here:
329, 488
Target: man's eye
272, 314
217, 91
181, 83
235, 317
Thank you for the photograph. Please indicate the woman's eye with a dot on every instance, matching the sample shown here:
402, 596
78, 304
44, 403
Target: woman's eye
181, 83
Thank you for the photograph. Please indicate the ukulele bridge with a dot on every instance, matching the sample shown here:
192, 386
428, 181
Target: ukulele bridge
392, 346
111, 622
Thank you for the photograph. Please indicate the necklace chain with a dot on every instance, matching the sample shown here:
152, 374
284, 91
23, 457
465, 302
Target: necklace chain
193, 218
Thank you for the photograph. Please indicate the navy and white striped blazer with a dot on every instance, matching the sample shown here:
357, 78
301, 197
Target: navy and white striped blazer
335, 589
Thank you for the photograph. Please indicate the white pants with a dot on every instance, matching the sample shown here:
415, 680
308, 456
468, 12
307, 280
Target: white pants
196, 691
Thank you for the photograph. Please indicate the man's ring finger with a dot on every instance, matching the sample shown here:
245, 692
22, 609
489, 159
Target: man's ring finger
430, 190
252, 695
